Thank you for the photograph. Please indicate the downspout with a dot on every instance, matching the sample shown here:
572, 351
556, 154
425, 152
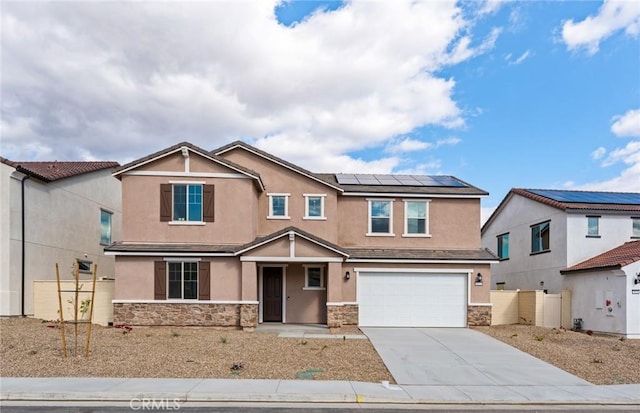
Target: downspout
23, 243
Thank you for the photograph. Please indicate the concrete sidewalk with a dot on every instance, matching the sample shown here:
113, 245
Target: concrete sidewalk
240, 390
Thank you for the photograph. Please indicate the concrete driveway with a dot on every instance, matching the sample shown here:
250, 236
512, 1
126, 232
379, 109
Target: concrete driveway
460, 357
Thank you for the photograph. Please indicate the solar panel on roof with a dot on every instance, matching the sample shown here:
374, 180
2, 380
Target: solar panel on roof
398, 180
589, 197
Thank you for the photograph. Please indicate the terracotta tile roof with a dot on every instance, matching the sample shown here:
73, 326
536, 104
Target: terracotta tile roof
49, 171
625, 254
421, 254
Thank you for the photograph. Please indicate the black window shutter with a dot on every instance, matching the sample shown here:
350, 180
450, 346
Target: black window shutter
165, 202
204, 280
160, 280
207, 200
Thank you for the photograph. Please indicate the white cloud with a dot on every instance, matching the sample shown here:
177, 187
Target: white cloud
522, 58
598, 153
491, 6
627, 125
613, 16
407, 145
210, 72
451, 141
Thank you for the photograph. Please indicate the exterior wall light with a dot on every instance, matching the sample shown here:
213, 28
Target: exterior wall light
347, 275
478, 279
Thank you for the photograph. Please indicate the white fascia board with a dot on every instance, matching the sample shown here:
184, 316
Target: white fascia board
291, 259
393, 261
166, 254
383, 195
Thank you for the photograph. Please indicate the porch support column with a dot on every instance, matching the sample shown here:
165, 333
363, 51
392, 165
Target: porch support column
249, 287
334, 292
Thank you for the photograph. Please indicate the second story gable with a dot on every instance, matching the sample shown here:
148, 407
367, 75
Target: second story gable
237, 193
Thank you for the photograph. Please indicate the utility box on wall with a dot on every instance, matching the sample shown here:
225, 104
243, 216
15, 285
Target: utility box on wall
45, 299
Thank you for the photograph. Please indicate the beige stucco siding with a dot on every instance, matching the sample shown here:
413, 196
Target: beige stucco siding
304, 305
453, 224
134, 280
284, 181
234, 201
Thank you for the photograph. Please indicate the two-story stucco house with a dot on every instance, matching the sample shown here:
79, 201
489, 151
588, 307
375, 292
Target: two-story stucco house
238, 237
539, 232
53, 212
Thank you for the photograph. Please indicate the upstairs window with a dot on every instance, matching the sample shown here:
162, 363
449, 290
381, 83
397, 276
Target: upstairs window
540, 237
635, 227
503, 246
416, 222
380, 217
593, 226
186, 202
314, 206
105, 227
84, 266
278, 206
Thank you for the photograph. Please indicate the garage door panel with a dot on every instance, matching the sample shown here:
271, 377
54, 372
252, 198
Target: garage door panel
412, 299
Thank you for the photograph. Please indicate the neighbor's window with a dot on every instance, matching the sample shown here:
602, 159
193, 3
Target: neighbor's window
84, 266
416, 222
380, 216
105, 227
278, 206
593, 226
314, 278
503, 246
183, 280
540, 237
187, 202
314, 206
635, 227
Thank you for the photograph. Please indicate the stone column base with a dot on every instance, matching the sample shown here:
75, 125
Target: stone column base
342, 315
248, 316
479, 315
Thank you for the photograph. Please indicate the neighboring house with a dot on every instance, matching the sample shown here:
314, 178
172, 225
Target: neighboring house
53, 212
237, 237
539, 232
606, 290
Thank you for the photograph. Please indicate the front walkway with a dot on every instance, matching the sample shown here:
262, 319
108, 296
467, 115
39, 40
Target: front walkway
305, 331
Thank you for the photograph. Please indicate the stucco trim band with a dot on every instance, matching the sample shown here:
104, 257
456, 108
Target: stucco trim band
195, 302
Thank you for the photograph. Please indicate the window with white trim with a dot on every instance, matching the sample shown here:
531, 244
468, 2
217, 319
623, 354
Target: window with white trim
380, 217
314, 278
314, 206
278, 206
183, 280
416, 218
187, 202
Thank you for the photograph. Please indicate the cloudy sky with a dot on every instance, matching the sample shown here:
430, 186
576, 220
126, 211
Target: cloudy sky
501, 94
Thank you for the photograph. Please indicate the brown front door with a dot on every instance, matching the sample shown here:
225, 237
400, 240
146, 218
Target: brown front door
272, 294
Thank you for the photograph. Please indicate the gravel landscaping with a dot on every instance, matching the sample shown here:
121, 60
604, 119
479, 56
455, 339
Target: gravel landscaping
597, 358
32, 348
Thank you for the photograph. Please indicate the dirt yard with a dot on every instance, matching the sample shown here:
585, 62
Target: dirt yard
32, 348
599, 359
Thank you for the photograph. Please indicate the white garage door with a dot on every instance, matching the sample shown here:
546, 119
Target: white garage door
412, 299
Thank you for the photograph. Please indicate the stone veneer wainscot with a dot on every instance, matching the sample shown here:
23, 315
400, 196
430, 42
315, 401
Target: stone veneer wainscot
192, 314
